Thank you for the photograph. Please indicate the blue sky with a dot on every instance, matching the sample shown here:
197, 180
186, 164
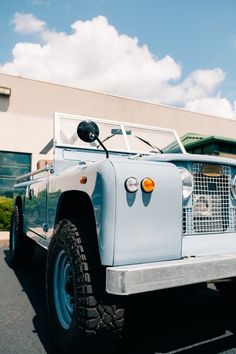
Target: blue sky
174, 52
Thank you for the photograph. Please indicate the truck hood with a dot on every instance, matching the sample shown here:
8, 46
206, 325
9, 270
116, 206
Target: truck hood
190, 157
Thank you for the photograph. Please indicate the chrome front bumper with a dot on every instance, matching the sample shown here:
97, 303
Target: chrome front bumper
139, 278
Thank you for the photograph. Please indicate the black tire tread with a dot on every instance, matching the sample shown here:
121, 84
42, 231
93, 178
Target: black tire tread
98, 319
24, 247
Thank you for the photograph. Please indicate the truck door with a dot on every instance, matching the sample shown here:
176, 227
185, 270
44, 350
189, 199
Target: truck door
35, 215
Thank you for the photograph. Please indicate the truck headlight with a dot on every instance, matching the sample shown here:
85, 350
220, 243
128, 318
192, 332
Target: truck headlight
187, 180
131, 184
233, 186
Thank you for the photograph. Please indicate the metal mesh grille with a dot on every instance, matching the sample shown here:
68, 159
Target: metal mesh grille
211, 210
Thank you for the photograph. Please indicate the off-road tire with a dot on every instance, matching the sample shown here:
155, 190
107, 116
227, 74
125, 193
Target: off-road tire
21, 247
96, 322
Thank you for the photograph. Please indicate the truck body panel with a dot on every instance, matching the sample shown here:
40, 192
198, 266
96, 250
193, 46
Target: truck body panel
137, 228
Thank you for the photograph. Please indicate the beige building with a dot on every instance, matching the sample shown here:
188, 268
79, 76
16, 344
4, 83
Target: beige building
26, 119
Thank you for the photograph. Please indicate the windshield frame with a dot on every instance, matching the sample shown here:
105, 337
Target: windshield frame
123, 127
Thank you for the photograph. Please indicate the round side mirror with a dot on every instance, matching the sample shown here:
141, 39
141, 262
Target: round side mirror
88, 131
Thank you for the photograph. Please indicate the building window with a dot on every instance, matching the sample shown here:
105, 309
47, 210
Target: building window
12, 164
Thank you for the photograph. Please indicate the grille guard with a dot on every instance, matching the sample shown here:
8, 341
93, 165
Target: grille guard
211, 210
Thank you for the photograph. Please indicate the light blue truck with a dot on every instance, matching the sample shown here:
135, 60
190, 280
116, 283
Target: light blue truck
121, 209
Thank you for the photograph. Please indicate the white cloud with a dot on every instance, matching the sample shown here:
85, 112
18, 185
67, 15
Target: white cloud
214, 106
27, 23
199, 84
95, 56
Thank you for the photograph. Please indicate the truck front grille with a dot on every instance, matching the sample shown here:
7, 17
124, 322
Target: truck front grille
211, 210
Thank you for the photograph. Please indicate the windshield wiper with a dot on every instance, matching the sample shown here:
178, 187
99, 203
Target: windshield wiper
149, 144
107, 138
138, 137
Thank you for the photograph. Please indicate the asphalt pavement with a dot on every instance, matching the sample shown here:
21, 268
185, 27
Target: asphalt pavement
184, 320
23, 317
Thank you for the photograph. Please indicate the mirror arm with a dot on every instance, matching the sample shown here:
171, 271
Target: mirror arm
93, 135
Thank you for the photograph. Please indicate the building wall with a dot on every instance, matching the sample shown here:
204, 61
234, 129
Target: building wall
40, 99
26, 117
25, 133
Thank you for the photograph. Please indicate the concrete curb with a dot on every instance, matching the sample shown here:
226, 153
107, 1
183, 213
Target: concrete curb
4, 238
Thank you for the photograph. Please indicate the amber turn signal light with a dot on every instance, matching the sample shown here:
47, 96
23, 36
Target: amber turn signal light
83, 180
147, 185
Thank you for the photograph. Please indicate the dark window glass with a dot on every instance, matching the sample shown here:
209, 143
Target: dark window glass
12, 164
13, 171
14, 158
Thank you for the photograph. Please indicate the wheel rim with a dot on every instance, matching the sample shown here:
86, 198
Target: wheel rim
63, 289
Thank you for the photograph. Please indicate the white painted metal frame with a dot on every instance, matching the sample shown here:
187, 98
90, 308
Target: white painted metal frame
57, 117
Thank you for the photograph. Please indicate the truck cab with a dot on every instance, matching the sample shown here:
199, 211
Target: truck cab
121, 209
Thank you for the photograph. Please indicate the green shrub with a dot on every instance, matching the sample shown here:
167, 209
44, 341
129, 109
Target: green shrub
5, 213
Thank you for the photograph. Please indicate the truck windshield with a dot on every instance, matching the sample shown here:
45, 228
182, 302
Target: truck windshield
118, 136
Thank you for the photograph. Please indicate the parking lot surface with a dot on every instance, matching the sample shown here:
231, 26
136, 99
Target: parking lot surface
184, 320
